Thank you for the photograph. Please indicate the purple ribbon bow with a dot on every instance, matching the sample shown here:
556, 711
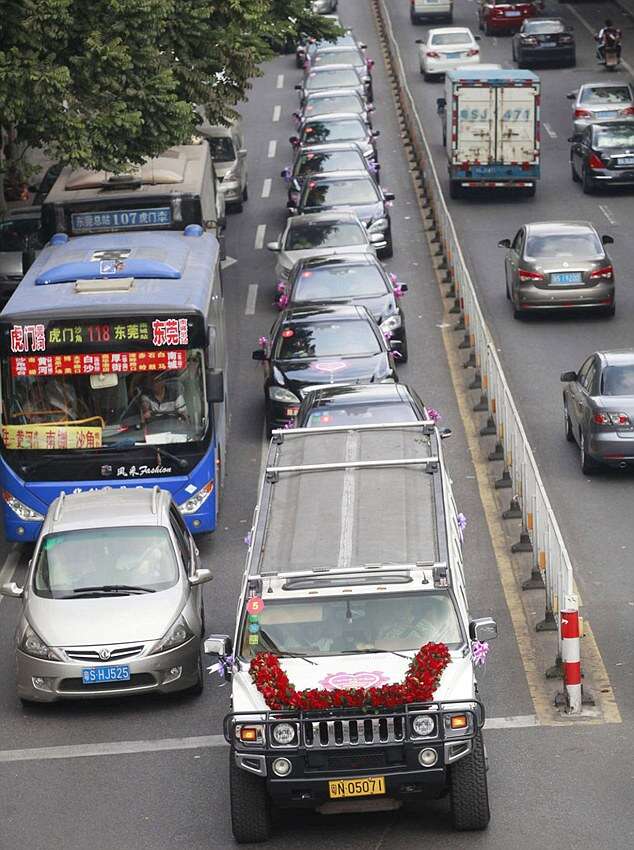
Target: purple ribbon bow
263, 341
479, 652
434, 415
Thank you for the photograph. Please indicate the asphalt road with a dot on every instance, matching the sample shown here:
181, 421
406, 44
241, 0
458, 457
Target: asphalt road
551, 786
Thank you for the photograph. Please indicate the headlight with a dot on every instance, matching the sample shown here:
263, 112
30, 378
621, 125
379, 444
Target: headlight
32, 644
23, 511
284, 734
379, 224
280, 394
391, 323
177, 634
423, 725
199, 498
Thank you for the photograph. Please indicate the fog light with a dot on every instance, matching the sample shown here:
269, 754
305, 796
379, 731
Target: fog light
172, 674
20, 529
282, 767
428, 757
196, 523
41, 683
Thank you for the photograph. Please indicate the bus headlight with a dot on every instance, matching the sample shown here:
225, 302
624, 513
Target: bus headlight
199, 498
23, 511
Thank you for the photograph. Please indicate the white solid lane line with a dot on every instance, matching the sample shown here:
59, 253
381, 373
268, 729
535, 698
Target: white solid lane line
549, 130
266, 187
280, 81
592, 32
252, 297
272, 148
260, 233
117, 748
277, 111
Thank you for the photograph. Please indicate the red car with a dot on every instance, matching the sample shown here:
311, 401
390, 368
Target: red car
499, 16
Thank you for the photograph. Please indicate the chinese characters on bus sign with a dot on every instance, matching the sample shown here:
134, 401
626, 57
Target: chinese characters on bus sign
120, 219
157, 332
50, 437
101, 362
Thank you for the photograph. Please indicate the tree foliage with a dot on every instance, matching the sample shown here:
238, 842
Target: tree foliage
103, 83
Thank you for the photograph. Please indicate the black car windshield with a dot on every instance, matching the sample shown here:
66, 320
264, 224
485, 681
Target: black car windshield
221, 149
338, 193
134, 556
335, 78
578, 245
542, 27
361, 414
334, 626
618, 380
304, 236
339, 57
303, 340
317, 163
614, 137
344, 130
332, 103
444, 38
606, 94
332, 281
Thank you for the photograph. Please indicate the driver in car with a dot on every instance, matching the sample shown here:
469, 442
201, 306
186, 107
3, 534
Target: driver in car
162, 398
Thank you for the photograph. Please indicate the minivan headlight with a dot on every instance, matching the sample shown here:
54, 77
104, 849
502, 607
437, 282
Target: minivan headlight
178, 633
33, 645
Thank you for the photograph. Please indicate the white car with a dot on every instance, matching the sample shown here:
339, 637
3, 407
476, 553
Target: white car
447, 48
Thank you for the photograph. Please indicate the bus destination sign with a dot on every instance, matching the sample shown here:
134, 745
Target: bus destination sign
110, 220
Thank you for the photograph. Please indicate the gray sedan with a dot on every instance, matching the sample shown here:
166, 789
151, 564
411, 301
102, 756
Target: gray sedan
599, 409
112, 601
558, 265
598, 101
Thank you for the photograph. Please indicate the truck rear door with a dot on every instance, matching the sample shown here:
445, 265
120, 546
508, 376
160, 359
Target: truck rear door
473, 124
516, 134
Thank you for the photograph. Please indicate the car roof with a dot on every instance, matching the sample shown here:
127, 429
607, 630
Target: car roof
617, 356
339, 214
616, 84
325, 312
108, 507
555, 226
441, 30
613, 122
360, 393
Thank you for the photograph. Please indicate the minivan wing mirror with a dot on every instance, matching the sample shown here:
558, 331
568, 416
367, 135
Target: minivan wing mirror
201, 576
485, 628
12, 589
218, 645
242, 153
273, 246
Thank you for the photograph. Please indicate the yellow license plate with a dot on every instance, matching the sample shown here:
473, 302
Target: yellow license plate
356, 787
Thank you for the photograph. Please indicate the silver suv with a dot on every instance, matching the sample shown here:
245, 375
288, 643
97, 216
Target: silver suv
112, 601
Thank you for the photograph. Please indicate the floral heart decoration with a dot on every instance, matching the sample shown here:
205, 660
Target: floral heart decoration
420, 682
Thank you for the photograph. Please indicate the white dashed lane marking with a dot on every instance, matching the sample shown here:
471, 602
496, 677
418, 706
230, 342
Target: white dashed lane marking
277, 111
280, 81
266, 187
272, 148
252, 297
260, 233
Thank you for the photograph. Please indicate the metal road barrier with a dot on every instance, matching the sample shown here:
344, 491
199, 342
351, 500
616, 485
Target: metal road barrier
540, 534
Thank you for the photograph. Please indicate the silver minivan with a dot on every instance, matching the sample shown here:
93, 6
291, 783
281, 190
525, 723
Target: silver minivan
112, 600
230, 159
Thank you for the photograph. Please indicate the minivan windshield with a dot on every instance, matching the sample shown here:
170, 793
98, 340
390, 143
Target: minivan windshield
221, 148
105, 561
336, 626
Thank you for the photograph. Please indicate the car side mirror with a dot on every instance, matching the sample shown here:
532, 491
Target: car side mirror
214, 380
294, 140
12, 589
363, 46
218, 645
298, 86
259, 354
478, 37
572, 95
504, 243
607, 240
273, 246
375, 133
484, 628
575, 138
291, 208
445, 433
419, 41
201, 576
568, 377
389, 196
370, 108
403, 287
242, 153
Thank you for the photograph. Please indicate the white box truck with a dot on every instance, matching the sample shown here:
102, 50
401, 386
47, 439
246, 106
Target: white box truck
491, 129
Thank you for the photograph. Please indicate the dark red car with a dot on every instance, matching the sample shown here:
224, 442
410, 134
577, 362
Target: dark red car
500, 16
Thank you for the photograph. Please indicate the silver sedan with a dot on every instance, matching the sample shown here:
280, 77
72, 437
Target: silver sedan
558, 265
112, 600
599, 409
599, 101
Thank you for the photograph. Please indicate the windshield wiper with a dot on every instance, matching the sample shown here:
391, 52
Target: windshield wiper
114, 589
274, 648
180, 462
378, 651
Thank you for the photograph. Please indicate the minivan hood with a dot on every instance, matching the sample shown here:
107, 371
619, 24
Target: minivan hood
106, 620
222, 168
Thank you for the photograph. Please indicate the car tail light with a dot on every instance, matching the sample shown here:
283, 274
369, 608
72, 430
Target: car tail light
473, 52
525, 275
603, 417
583, 113
433, 54
629, 110
595, 161
605, 273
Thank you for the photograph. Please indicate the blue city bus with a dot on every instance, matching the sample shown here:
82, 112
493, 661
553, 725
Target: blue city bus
112, 363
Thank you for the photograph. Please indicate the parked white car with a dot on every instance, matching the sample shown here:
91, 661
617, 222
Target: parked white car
447, 48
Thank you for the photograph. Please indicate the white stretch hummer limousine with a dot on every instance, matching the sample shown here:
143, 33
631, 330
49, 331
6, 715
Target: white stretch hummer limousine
354, 564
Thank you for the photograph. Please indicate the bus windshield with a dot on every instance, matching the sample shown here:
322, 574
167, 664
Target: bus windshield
129, 407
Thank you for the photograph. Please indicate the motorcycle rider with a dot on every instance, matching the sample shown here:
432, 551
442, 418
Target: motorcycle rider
608, 36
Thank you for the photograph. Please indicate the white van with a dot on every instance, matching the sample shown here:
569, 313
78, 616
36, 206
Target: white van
230, 159
420, 9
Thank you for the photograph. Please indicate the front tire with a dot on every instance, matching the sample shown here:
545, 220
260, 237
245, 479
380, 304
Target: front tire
469, 790
199, 685
250, 805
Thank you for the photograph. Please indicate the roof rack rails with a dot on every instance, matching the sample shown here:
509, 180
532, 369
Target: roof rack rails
426, 424
60, 505
273, 472
359, 570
